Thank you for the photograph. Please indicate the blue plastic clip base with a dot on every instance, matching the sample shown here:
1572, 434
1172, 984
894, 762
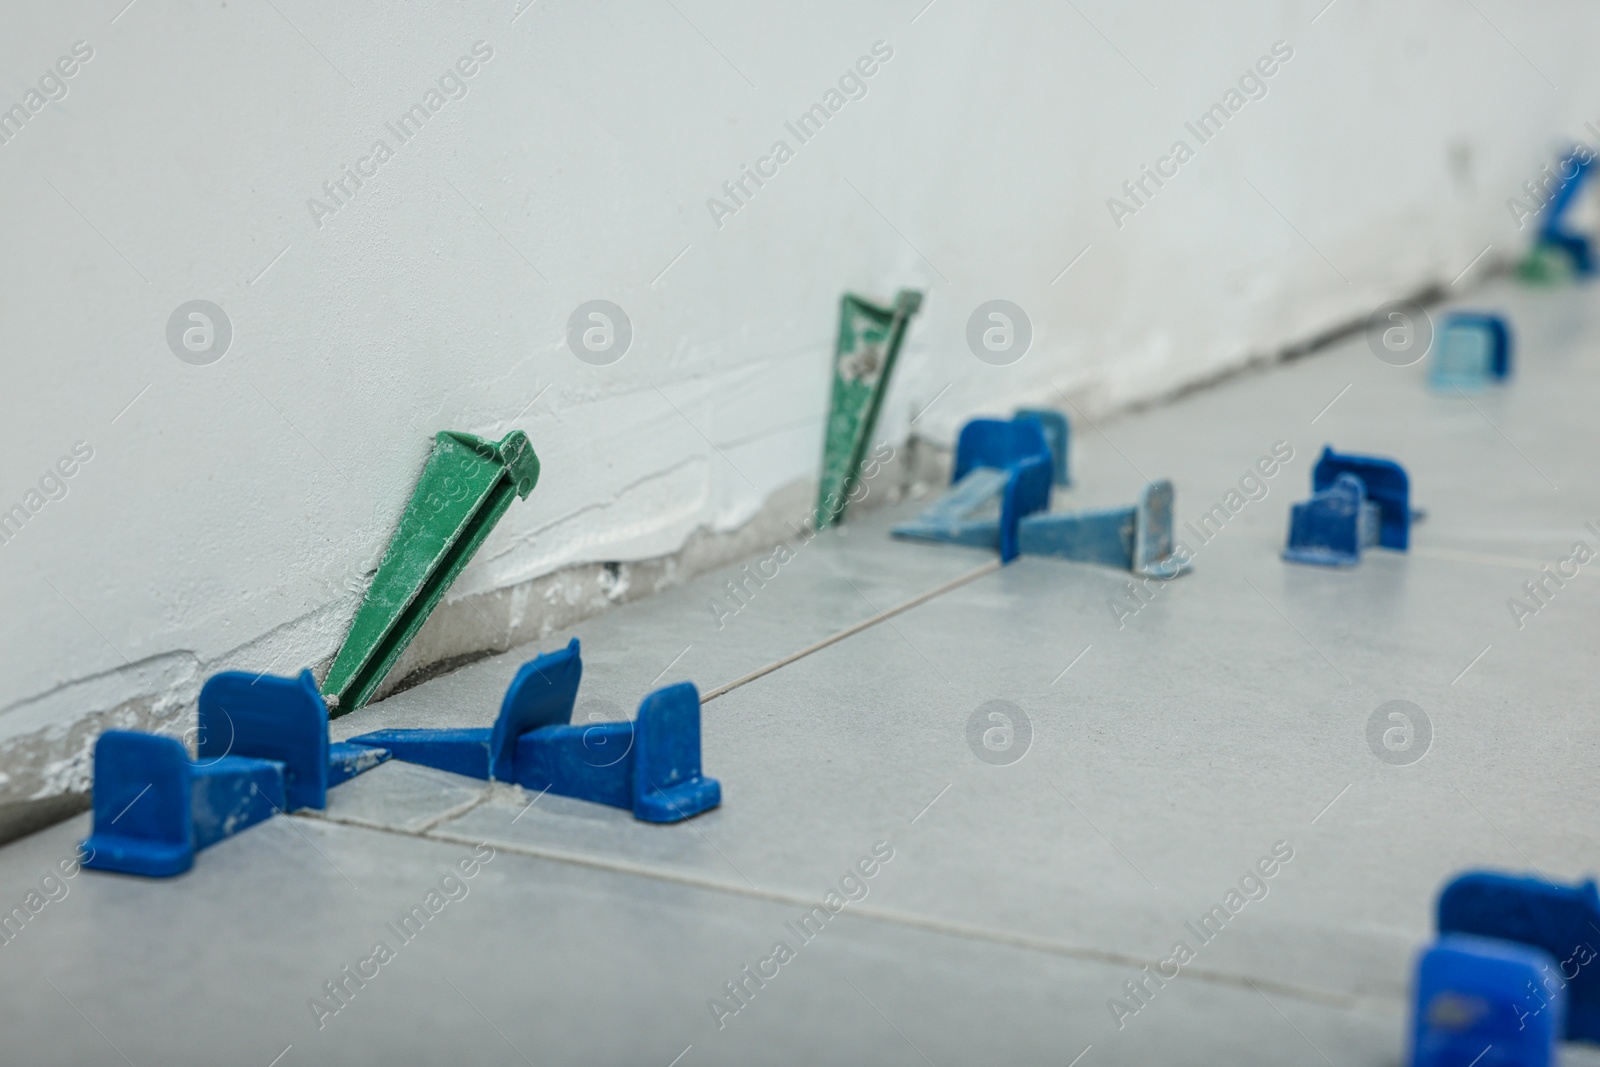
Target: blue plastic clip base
1481, 1001
1561, 920
263, 748
1334, 526
1473, 350
667, 783
1137, 538
232, 793
650, 765
1386, 485
154, 809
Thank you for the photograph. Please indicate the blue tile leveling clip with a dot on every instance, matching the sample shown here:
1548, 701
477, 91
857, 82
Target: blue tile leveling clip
1473, 350
1477, 1002
1000, 499
1562, 921
263, 749
1357, 502
1057, 434
1003, 471
1553, 227
651, 765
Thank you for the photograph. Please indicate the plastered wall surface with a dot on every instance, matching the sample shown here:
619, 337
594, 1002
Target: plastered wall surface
228, 496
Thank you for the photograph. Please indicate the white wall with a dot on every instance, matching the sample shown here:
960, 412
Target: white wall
225, 513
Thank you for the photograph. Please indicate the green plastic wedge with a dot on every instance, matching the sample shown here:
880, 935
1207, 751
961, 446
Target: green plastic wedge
467, 484
863, 360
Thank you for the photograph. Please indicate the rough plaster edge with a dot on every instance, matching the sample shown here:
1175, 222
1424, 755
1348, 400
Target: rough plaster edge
45, 775
487, 623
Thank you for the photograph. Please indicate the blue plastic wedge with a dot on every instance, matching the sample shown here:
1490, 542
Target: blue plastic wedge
1334, 526
1385, 483
1473, 350
968, 514
542, 694
1137, 538
983, 509
346, 760
1480, 1002
1562, 920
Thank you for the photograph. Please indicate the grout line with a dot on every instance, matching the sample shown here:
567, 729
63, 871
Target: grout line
870, 914
848, 631
455, 812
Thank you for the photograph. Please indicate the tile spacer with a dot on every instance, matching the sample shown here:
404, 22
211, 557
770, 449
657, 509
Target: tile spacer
864, 356
466, 485
263, 748
1356, 502
1334, 526
1561, 920
1000, 499
1058, 434
1137, 538
1002, 472
1559, 249
650, 765
1476, 994
1473, 350
1386, 484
